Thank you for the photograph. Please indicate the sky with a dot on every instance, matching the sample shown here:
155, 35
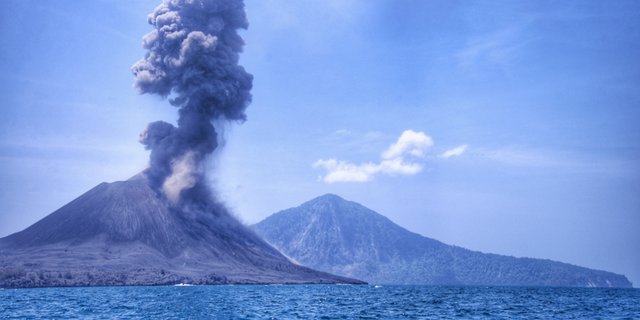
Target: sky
500, 126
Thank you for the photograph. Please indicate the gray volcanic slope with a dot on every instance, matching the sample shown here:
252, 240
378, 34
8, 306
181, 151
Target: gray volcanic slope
345, 238
123, 233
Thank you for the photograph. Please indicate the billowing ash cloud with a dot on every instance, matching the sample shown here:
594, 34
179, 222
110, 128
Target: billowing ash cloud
192, 58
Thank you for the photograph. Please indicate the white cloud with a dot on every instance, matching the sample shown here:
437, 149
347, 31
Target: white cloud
459, 150
410, 144
398, 166
342, 171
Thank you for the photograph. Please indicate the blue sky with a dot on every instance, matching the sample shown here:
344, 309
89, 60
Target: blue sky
544, 95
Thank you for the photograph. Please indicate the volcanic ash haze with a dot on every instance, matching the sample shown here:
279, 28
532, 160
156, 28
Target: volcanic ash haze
192, 58
163, 226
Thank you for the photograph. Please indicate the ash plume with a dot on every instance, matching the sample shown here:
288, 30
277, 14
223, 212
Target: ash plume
192, 59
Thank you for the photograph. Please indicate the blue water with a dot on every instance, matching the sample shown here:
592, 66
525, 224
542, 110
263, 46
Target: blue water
320, 302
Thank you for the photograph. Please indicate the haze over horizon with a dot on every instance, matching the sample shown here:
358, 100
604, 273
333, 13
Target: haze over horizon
503, 127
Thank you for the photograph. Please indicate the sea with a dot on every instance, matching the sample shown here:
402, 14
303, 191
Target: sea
319, 302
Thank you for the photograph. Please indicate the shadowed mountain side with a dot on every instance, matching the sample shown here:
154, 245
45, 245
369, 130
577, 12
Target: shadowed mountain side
123, 233
343, 237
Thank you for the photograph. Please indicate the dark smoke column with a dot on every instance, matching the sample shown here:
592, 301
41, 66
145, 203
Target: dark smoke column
193, 60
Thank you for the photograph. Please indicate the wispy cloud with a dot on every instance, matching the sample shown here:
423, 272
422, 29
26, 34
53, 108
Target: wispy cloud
400, 158
457, 151
524, 157
299, 19
557, 161
80, 19
498, 49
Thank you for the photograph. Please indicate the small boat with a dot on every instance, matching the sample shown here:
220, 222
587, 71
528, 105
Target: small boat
183, 285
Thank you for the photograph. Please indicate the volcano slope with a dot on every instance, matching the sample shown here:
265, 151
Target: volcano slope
125, 233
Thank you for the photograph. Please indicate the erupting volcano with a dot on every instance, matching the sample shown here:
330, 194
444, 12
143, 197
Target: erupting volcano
164, 225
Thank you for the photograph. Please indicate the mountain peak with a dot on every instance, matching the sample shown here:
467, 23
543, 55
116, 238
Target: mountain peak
335, 202
330, 197
329, 231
